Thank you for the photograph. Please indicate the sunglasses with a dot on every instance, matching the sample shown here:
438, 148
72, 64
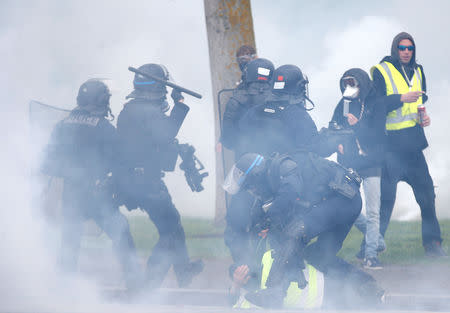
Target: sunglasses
403, 48
349, 81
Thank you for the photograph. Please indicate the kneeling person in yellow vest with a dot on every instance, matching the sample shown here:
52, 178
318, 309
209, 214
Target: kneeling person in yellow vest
308, 298
342, 287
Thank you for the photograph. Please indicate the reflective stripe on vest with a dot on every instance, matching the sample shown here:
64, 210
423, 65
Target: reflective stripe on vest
406, 116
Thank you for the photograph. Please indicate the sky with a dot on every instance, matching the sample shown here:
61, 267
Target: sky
49, 48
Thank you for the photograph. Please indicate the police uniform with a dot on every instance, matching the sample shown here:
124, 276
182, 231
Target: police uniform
282, 123
254, 90
279, 124
82, 151
147, 149
242, 212
405, 160
303, 199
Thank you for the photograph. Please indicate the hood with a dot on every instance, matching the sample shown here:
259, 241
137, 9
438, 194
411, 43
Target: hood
394, 58
365, 84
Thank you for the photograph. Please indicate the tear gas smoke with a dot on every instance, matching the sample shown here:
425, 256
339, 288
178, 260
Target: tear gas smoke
48, 48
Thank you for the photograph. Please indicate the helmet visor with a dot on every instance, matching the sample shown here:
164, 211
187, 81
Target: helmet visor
233, 181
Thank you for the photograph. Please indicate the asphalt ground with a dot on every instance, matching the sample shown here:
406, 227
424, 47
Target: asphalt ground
408, 287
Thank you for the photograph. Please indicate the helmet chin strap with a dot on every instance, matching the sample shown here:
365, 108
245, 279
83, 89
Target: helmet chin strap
312, 104
109, 115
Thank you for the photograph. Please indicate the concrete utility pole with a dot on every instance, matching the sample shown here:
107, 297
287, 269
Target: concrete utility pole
229, 25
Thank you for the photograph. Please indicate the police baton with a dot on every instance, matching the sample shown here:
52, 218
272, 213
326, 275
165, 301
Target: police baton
165, 82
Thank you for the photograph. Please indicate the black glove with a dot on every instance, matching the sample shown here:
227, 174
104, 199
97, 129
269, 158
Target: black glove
296, 229
176, 95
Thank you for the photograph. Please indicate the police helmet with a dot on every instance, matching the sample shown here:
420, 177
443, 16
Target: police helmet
148, 85
259, 70
289, 81
245, 173
93, 96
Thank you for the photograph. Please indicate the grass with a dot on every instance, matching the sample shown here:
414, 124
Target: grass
403, 240
145, 236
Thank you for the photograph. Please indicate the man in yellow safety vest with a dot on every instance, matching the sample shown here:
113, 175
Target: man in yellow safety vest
343, 287
398, 75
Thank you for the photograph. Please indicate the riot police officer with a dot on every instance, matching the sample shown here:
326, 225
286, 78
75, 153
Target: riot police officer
147, 148
302, 199
82, 151
282, 122
256, 87
257, 75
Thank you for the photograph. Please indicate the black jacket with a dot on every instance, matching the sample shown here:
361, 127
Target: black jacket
412, 138
146, 141
277, 127
369, 132
298, 183
81, 148
239, 103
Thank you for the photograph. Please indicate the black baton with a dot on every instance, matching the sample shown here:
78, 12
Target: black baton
165, 82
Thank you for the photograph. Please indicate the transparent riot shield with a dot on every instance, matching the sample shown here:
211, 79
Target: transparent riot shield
42, 119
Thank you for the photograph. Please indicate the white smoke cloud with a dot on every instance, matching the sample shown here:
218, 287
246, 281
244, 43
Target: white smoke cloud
48, 48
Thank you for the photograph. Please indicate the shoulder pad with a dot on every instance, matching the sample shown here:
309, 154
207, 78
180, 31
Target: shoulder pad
287, 166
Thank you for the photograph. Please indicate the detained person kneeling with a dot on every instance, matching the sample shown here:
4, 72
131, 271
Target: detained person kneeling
303, 196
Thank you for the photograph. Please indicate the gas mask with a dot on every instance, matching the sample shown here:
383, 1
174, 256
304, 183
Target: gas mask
351, 90
243, 60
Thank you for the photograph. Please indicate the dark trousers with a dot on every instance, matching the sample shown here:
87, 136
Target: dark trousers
411, 168
330, 221
81, 204
171, 248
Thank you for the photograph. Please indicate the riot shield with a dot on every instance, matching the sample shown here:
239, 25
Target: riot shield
42, 119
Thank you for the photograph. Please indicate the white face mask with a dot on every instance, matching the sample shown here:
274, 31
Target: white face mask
350, 92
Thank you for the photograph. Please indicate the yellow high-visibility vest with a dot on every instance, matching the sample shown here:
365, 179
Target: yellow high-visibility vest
310, 297
406, 116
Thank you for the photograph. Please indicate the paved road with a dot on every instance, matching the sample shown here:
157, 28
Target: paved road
413, 287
